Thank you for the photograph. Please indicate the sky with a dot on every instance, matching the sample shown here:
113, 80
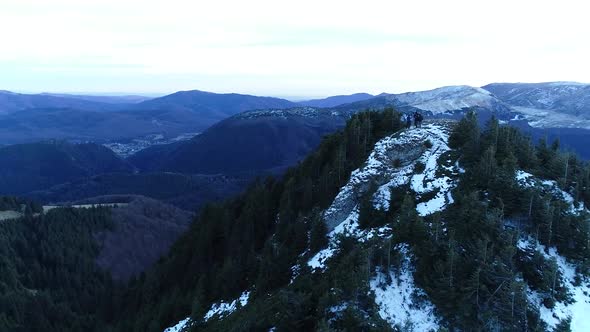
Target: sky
288, 48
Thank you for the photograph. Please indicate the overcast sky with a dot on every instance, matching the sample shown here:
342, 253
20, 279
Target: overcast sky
288, 48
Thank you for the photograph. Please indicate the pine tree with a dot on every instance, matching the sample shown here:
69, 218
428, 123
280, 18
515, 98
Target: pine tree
318, 235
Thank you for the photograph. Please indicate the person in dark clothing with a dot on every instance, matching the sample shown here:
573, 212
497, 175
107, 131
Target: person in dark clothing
408, 121
418, 119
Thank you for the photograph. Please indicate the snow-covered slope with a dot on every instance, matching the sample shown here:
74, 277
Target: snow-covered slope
446, 99
580, 292
420, 163
545, 105
217, 310
578, 289
393, 163
397, 299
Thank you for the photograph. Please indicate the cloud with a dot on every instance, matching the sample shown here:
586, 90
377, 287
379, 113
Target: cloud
275, 47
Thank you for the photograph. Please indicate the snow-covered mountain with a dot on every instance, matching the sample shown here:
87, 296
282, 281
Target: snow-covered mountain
422, 161
547, 105
336, 100
540, 105
447, 99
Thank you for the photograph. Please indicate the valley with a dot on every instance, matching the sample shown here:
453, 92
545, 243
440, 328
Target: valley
268, 166
330, 216
127, 148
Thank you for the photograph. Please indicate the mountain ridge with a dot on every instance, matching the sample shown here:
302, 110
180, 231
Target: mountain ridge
333, 101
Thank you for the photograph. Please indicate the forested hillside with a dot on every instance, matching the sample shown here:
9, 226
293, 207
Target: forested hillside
446, 227
457, 239
256, 238
49, 279
28, 167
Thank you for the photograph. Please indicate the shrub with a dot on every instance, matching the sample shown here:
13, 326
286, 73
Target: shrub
419, 167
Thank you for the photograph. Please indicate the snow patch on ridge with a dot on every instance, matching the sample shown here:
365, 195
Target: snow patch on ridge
350, 228
577, 310
178, 327
401, 303
223, 309
427, 181
528, 180
392, 163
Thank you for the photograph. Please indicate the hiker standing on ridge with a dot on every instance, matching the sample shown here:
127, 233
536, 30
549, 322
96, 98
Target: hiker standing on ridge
418, 118
408, 121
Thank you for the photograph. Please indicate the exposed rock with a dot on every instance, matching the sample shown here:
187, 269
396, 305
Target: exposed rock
390, 164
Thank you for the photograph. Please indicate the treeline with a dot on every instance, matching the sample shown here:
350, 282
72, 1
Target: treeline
49, 279
467, 257
252, 241
19, 204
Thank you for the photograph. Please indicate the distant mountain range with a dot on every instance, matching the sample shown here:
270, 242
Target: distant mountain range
249, 142
11, 102
115, 99
336, 100
213, 106
272, 136
30, 118
547, 105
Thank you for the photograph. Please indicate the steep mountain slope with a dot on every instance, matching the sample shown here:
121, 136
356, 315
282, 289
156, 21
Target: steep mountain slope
27, 167
546, 105
449, 226
253, 141
143, 231
249, 222
50, 271
336, 100
436, 221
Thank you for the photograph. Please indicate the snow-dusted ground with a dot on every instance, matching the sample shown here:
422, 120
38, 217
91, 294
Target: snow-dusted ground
178, 327
47, 208
6, 215
280, 113
427, 181
408, 147
350, 228
543, 118
580, 294
397, 301
223, 309
380, 165
400, 302
528, 180
220, 310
